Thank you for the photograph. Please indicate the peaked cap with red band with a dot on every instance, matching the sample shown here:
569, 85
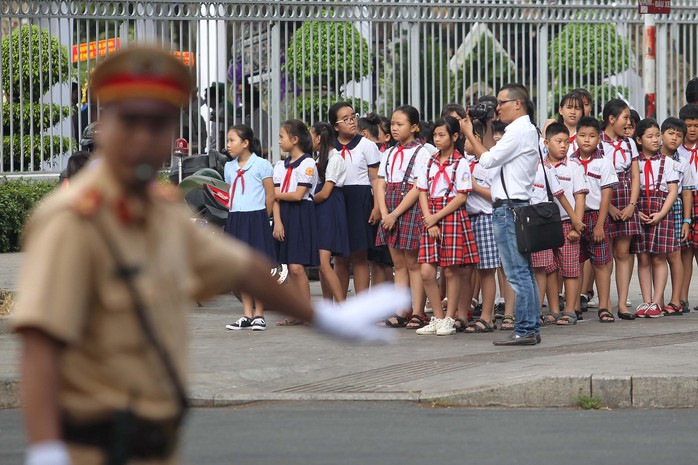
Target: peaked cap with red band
142, 73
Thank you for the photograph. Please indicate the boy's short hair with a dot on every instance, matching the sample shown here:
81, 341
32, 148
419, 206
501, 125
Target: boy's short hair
692, 91
689, 111
675, 124
554, 129
478, 129
589, 122
499, 126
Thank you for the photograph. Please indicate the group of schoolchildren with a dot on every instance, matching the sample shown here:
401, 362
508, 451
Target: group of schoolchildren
398, 200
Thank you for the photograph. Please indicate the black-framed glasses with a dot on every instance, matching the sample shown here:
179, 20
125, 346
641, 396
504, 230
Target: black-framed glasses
502, 102
348, 119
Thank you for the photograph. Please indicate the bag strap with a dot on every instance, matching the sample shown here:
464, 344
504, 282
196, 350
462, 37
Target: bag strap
545, 175
126, 274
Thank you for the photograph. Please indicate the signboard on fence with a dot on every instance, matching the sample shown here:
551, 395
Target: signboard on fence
92, 50
654, 7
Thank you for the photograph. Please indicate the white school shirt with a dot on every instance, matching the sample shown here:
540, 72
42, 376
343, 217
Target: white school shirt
571, 176
599, 174
621, 151
477, 204
394, 162
249, 195
303, 172
516, 154
683, 169
336, 171
573, 147
430, 148
360, 154
670, 175
690, 157
540, 192
438, 184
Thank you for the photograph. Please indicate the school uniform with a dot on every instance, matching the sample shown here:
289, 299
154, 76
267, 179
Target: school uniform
332, 213
621, 152
380, 254
300, 245
690, 155
544, 258
571, 176
656, 174
399, 168
443, 182
599, 174
479, 211
360, 154
248, 219
573, 147
686, 182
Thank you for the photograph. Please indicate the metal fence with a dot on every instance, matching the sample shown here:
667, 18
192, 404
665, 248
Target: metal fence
262, 61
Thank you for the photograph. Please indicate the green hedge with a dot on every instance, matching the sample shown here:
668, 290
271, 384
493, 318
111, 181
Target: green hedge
17, 199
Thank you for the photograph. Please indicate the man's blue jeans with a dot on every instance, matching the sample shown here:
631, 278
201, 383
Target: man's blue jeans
518, 271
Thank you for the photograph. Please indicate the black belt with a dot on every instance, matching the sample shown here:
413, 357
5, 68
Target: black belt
500, 202
143, 438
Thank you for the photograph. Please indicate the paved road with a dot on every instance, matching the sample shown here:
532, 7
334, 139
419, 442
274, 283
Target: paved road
400, 433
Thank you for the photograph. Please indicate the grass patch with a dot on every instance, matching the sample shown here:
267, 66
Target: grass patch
6, 301
586, 402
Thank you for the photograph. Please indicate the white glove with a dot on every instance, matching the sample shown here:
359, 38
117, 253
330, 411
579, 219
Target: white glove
356, 318
47, 453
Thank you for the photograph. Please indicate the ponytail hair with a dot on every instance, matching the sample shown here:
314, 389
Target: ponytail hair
369, 123
246, 133
613, 108
297, 128
326, 134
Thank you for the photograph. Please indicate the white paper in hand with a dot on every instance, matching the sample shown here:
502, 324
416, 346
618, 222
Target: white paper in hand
356, 318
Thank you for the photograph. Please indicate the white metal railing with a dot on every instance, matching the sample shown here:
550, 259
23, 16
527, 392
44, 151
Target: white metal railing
281, 59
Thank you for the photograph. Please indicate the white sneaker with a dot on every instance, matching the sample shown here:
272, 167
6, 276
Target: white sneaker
628, 302
447, 327
594, 302
431, 328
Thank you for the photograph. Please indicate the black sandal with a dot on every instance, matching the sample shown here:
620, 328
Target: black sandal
507, 320
401, 322
605, 316
418, 321
474, 327
460, 324
626, 315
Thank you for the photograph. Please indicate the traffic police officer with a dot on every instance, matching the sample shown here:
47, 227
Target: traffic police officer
111, 266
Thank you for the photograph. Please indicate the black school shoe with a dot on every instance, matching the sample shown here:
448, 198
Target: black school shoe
242, 323
584, 302
516, 340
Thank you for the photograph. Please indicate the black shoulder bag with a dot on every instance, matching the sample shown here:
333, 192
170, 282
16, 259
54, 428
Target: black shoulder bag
538, 227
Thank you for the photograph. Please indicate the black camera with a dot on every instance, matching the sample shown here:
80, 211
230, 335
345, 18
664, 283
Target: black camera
481, 111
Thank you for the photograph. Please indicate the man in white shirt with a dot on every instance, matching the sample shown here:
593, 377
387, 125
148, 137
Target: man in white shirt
514, 160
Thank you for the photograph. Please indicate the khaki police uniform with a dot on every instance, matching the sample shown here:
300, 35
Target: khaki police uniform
70, 291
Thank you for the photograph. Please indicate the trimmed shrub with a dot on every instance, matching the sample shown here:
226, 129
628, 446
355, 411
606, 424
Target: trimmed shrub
17, 200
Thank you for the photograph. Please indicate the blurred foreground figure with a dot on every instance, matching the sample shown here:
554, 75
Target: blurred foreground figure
111, 267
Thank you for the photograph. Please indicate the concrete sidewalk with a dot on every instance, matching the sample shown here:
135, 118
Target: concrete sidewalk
642, 363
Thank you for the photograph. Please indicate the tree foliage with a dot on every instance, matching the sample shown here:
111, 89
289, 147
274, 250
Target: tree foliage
18, 198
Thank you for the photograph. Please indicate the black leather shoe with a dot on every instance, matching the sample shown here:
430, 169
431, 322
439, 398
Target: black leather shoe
626, 315
538, 339
516, 340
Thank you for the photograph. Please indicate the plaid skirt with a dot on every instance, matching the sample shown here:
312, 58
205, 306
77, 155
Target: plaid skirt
600, 254
408, 229
543, 259
660, 238
567, 256
621, 199
484, 238
457, 243
677, 210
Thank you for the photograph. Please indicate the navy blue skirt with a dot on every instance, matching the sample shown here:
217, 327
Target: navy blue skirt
359, 204
254, 229
300, 244
332, 223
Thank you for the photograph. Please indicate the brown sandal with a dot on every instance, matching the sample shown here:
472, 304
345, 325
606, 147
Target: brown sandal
507, 324
418, 321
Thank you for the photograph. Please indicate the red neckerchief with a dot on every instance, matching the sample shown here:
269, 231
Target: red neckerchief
287, 179
617, 146
344, 152
585, 163
649, 172
383, 147
694, 155
400, 151
573, 137
472, 166
442, 171
240, 176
